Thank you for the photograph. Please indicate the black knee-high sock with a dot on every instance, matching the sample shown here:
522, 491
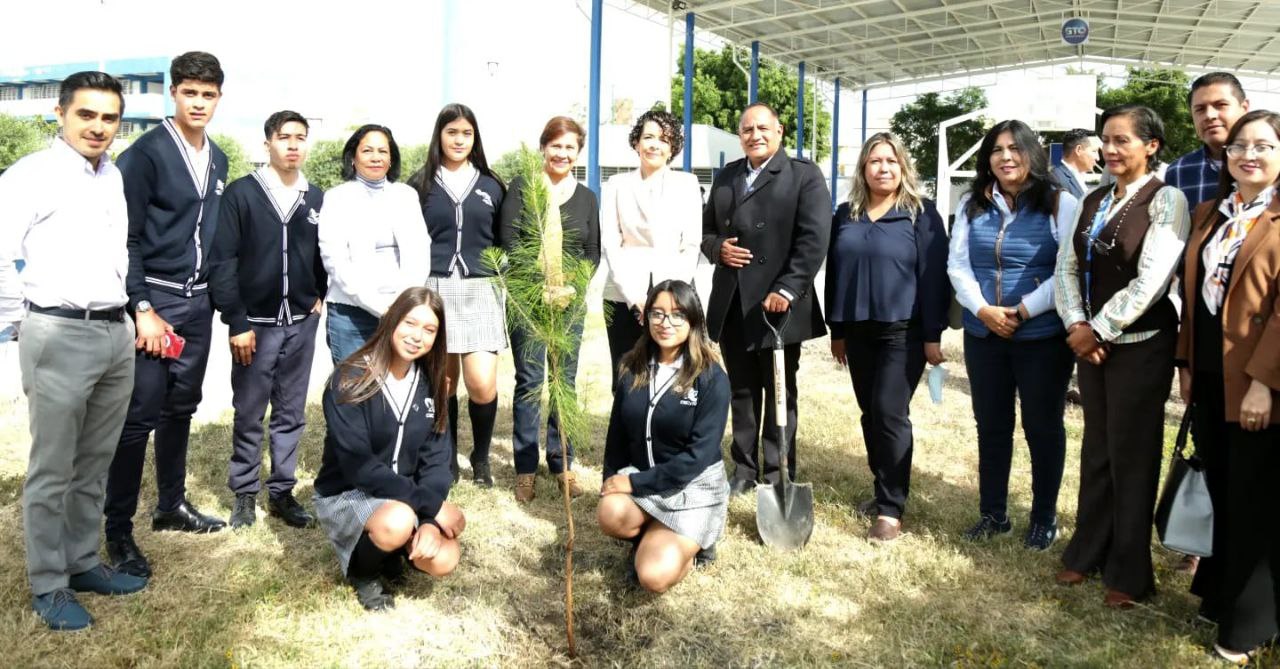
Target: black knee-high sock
483, 417
453, 434
366, 559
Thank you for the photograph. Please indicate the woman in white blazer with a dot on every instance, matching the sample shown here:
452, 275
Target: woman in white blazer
650, 227
373, 240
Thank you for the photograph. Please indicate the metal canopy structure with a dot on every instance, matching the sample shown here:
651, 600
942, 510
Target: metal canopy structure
870, 43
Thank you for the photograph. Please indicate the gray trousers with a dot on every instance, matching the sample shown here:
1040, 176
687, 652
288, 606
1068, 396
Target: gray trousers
78, 376
279, 375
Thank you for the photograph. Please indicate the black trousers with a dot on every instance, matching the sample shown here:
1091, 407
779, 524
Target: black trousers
1120, 453
752, 404
1240, 584
886, 361
165, 395
1036, 374
623, 332
530, 357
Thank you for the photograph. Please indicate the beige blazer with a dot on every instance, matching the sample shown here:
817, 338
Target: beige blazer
1250, 310
649, 231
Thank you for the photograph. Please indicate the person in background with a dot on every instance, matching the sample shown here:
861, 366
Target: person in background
373, 240
174, 176
1111, 289
766, 227
1079, 157
384, 477
1217, 101
1229, 370
461, 198
269, 282
578, 214
665, 488
63, 212
1004, 245
650, 228
886, 301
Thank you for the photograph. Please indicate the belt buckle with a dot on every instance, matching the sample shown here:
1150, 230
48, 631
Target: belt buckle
88, 315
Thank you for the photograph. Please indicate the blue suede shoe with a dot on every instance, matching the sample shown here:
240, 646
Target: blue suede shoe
106, 581
60, 611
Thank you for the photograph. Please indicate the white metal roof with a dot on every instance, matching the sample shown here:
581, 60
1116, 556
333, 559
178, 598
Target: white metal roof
874, 42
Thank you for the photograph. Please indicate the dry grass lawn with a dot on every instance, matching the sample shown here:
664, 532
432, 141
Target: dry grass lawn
272, 596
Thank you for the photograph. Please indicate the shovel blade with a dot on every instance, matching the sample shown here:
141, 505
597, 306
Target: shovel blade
784, 514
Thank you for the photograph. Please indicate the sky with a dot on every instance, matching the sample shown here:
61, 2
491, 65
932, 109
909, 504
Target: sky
515, 62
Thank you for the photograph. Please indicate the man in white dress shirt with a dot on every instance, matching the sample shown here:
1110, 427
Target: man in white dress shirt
62, 211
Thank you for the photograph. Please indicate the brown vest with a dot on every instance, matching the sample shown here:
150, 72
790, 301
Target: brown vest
1111, 272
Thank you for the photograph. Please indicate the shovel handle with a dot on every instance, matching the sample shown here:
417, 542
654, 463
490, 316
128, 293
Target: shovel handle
779, 387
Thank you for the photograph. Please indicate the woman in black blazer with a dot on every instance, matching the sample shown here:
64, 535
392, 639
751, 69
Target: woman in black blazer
384, 476
887, 296
579, 213
665, 488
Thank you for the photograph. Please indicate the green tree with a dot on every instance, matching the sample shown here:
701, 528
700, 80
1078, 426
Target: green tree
412, 158
916, 124
720, 95
507, 166
324, 163
21, 136
238, 163
1164, 91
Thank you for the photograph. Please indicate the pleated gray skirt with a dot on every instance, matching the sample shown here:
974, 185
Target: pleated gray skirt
696, 511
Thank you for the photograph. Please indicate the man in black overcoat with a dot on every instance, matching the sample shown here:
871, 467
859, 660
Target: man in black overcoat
766, 227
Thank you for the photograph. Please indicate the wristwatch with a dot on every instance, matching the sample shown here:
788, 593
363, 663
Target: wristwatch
142, 307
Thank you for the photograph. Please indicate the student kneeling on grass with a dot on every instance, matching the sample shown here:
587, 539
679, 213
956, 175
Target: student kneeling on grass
380, 494
665, 488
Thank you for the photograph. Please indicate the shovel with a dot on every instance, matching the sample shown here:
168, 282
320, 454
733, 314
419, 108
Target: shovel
784, 510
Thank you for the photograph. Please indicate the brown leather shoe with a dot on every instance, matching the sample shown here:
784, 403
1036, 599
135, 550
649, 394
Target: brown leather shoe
884, 530
1069, 577
1188, 565
569, 479
1118, 600
524, 487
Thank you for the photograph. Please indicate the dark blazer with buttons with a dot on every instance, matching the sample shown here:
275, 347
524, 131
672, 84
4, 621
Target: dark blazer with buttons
1066, 180
785, 221
1250, 310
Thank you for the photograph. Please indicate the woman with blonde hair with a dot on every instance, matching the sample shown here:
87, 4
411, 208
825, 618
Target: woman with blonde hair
1004, 244
886, 303
665, 488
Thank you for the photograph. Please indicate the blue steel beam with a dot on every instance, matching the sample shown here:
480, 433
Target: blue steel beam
800, 114
688, 91
593, 103
864, 116
835, 144
753, 87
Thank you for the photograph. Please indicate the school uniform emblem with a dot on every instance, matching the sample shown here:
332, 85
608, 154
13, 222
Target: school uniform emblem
313, 217
690, 398
484, 196
217, 187
430, 405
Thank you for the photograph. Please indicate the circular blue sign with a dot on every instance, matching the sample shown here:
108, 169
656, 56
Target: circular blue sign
1075, 31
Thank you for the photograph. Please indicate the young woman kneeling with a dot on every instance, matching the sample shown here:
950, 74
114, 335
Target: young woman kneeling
380, 494
665, 488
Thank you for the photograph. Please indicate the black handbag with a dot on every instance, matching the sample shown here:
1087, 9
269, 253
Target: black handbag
1184, 515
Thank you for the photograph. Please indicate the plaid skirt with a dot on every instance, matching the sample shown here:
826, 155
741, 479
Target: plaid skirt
696, 511
343, 517
474, 312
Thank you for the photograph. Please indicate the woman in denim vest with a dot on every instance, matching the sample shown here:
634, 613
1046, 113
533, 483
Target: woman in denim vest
1003, 245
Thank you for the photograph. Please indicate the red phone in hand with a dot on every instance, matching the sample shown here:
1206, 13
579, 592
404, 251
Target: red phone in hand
173, 345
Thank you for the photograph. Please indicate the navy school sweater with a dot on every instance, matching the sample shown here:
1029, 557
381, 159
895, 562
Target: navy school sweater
460, 234
687, 429
359, 441
173, 213
266, 267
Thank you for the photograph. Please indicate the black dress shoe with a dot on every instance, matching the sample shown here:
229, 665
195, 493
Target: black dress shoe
371, 595
741, 487
126, 557
245, 513
705, 556
185, 518
285, 507
480, 473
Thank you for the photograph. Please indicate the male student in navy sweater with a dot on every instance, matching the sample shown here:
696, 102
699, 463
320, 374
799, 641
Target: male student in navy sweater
173, 178
269, 282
